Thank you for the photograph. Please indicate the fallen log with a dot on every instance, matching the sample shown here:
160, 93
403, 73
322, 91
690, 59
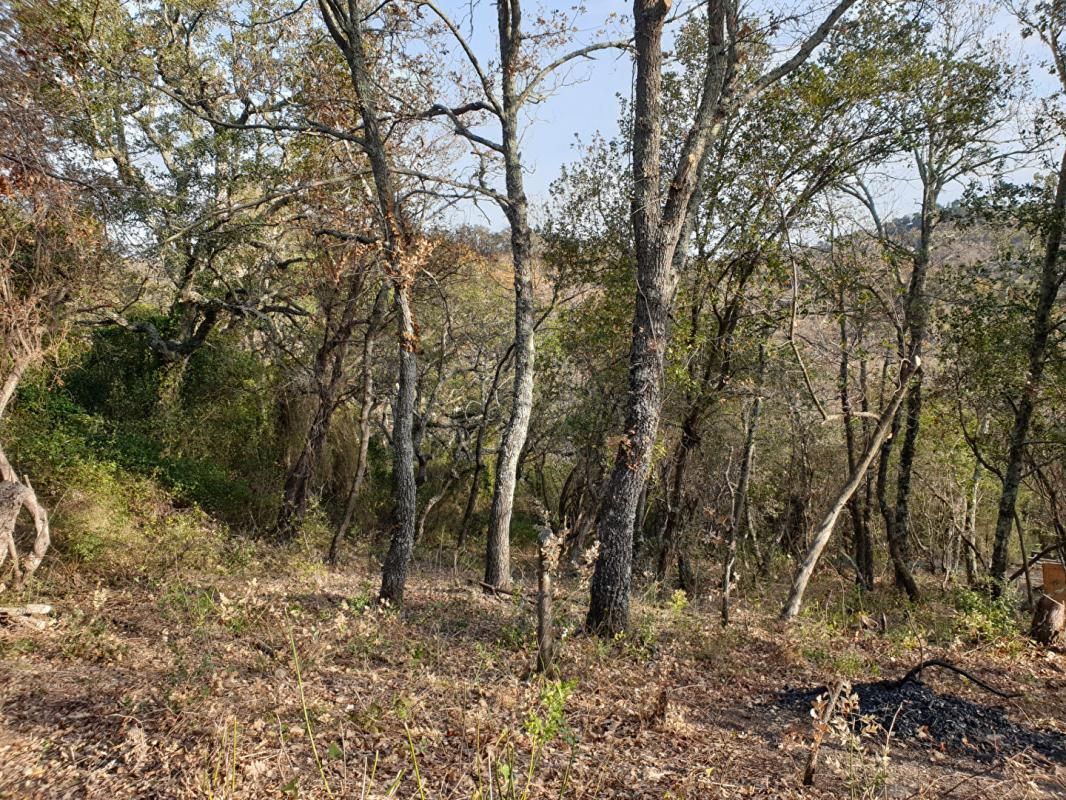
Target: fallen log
33, 614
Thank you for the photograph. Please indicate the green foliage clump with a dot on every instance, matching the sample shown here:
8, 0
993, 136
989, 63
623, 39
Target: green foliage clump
982, 617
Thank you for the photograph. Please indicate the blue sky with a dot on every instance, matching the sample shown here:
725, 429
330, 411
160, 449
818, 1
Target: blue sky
584, 99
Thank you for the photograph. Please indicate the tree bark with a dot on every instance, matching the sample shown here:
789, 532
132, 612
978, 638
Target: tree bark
658, 222
969, 532
916, 317
394, 571
345, 24
657, 228
862, 546
498, 549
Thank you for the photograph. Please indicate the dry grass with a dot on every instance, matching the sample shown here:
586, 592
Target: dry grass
190, 688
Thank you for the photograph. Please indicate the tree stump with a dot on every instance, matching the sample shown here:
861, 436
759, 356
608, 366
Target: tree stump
1049, 621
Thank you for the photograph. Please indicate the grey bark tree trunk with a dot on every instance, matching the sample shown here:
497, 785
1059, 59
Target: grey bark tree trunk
740, 503
969, 532
498, 547
916, 318
657, 228
394, 571
345, 23
862, 546
658, 222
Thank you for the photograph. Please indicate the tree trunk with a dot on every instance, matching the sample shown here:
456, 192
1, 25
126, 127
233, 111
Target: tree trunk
394, 571
674, 498
498, 547
898, 551
328, 376
901, 525
740, 503
969, 531
657, 228
1051, 280
825, 529
345, 24
862, 546
660, 209
916, 317
547, 558
15, 494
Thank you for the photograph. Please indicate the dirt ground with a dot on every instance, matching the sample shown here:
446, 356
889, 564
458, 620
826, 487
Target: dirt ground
247, 686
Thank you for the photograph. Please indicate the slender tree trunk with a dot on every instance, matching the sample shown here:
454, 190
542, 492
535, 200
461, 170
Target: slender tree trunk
498, 549
969, 528
394, 571
345, 24
609, 606
674, 498
20, 493
296, 490
660, 209
862, 546
1051, 280
916, 317
479, 452
657, 228
740, 502
825, 529
328, 376
901, 525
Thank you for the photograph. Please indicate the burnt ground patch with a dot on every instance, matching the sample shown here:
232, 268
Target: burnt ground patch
918, 714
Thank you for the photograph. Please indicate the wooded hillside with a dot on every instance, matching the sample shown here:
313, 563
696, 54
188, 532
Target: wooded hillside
303, 359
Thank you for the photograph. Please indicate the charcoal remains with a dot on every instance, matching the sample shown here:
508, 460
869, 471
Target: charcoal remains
942, 721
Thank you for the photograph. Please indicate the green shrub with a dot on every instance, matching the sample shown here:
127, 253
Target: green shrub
979, 616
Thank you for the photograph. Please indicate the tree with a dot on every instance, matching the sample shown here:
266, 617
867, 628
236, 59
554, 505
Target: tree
661, 211
52, 248
521, 78
955, 133
402, 254
1048, 22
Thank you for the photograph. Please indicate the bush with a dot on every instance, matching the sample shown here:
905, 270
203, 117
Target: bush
981, 617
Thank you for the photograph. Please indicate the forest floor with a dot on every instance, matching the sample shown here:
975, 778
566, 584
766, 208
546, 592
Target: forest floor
246, 685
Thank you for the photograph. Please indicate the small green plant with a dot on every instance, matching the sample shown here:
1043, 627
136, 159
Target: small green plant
678, 601
982, 617
544, 723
